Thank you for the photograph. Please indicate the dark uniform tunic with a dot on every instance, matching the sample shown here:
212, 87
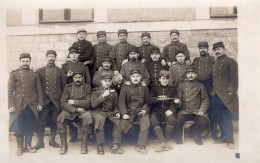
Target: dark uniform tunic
119, 53
170, 50
72, 66
127, 67
24, 91
145, 52
99, 51
85, 49
104, 108
154, 68
177, 74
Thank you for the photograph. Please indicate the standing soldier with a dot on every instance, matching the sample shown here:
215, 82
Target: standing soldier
75, 104
25, 100
119, 51
100, 50
146, 48
133, 106
53, 81
170, 50
224, 94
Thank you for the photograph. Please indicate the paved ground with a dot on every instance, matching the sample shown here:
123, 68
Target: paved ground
188, 152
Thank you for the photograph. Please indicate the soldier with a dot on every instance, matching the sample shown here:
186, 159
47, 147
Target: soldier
119, 51
170, 50
194, 102
105, 106
76, 105
100, 50
146, 48
133, 106
163, 109
25, 100
178, 70
53, 81
84, 47
134, 62
203, 65
224, 94
154, 67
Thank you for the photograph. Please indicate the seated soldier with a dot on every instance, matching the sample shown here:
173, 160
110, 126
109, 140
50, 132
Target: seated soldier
163, 109
75, 104
133, 105
104, 102
194, 102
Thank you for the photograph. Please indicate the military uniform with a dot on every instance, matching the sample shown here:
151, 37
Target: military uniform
177, 74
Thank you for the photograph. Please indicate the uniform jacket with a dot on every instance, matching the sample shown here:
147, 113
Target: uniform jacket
177, 74
170, 50
225, 79
24, 88
97, 77
99, 51
66, 67
193, 96
119, 53
127, 67
156, 105
145, 52
85, 49
53, 81
154, 68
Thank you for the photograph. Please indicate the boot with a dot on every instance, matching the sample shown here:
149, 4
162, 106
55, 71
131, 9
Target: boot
64, 144
52, 141
84, 145
115, 148
40, 142
100, 149
19, 141
28, 147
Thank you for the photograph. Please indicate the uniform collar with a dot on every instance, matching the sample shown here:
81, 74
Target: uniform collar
102, 43
77, 85
123, 42
136, 85
146, 45
22, 68
223, 56
175, 42
82, 41
51, 65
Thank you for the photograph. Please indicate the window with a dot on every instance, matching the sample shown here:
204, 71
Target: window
65, 15
223, 12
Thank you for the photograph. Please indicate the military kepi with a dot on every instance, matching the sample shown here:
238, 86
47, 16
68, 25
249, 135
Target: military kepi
134, 49
73, 49
81, 30
146, 34
106, 75
25, 55
137, 71
51, 52
106, 58
78, 71
174, 31
203, 44
165, 73
155, 50
101, 33
218, 44
191, 68
122, 31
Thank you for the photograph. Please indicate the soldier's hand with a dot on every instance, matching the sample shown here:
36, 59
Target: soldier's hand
127, 83
168, 113
87, 62
100, 68
163, 62
200, 113
71, 102
124, 61
11, 109
169, 64
39, 108
161, 98
80, 110
230, 93
70, 73
188, 62
117, 116
106, 93
116, 72
173, 63
125, 116
142, 112
177, 101
143, 84
143, 60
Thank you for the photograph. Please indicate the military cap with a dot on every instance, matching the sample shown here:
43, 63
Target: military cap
155, 50
78, 71
25, 55
218, 44
164, 73
175, 31
122, 31
81, 30
190, 68
101, 33
203, 44
177, 52
51, 52
106, 75
106, 58
134, 49
146, 34
73, 49
135, 71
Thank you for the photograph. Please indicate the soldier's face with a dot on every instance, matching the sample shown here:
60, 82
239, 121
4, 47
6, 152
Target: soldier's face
146, 40
82, 35
77, 78
25, 62
164, 80
180, 57
155, 56
102, 38
106, 83
51, 58
191, 75
133, 56
174, 37
219, 51
74, 56
106, 65
135, 78
203, 50
122, 37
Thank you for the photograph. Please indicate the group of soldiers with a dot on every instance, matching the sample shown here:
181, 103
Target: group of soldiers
132, 88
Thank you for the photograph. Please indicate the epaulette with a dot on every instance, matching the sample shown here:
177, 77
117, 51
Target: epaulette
68, 85
34, 70
15, 70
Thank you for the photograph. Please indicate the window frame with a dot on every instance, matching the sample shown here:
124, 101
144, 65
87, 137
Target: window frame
234, 15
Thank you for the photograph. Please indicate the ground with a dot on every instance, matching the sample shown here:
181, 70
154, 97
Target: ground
187, 152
